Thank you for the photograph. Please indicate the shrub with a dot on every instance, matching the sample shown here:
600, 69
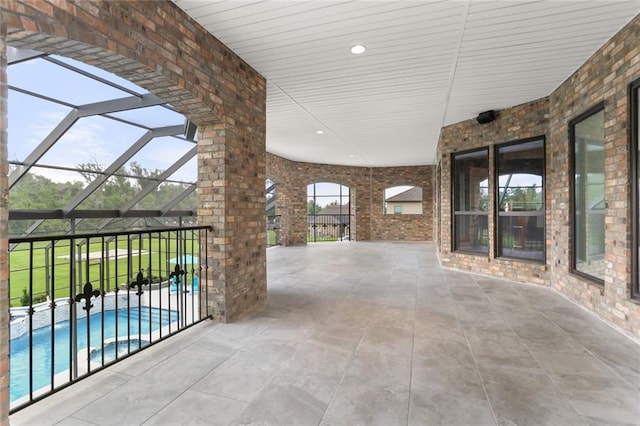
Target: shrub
38, 298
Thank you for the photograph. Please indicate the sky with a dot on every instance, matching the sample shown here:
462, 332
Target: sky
90, 139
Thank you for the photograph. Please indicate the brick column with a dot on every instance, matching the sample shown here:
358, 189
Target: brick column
231, 199
361, 209
295, 214
291, 200
4, 221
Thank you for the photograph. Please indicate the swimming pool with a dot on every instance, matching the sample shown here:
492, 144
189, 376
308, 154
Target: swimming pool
137, 322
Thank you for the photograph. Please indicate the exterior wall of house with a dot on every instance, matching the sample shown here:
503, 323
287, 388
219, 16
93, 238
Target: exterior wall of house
390, 227
157, 46
406, 207
367, 185
520, 122
605, 77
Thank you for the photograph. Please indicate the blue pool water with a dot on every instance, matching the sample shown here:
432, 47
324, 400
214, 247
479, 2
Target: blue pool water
110, 350
42, 344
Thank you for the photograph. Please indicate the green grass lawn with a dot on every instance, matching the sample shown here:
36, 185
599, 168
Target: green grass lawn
271, 237
26, 266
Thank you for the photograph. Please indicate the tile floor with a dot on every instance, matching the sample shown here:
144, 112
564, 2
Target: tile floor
372, 334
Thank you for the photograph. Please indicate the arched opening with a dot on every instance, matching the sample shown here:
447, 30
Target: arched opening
108, 147
273, 218
328, 212
102, 207
215, 89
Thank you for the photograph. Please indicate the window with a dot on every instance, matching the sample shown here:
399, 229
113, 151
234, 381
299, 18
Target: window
403, 200
635, 141
520, 199
471, 201
587, 136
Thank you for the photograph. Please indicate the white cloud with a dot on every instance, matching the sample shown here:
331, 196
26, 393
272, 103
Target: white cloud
58, 175
86, 141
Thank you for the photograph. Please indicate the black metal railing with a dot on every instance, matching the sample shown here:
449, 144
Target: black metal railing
274, 224
328, 227
82, 302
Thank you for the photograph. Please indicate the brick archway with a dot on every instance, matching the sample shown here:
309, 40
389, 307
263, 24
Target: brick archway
158, 47
117, 40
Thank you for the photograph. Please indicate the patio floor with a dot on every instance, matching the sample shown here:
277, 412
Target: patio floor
372, 334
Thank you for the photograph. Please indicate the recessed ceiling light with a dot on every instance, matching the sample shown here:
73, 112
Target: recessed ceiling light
358, 49
320, 132
352, 156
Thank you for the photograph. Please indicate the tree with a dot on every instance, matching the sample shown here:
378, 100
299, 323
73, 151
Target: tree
312, 207
37, 192
143, 175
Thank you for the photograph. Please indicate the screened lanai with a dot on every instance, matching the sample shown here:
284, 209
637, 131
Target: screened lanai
90, 151
104, 251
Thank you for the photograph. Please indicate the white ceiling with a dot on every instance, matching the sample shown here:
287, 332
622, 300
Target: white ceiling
427, 64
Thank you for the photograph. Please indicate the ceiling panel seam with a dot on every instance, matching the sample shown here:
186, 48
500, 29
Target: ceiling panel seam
454, 65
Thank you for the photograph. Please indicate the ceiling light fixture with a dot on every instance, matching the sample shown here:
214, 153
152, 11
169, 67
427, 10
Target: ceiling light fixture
320, 132
358, 49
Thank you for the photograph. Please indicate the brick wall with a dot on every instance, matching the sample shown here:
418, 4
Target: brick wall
157, 46
520, 122
390, 227
366, 186
605, 77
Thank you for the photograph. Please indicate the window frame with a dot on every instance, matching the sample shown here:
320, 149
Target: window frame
572, 187
453, 194
634, 127
385, 208
496, 184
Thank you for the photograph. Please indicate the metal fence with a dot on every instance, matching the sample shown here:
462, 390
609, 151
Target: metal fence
328, 227
82, 302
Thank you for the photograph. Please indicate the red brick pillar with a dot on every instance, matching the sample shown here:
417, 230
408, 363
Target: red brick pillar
293, 207
231, 199
4, 221
291, 199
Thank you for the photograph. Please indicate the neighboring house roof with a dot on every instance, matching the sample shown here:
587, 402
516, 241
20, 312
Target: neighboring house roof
330, 215
414, 194
335, 209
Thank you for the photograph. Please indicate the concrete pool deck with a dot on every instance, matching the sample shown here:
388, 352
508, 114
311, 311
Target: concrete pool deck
372, 334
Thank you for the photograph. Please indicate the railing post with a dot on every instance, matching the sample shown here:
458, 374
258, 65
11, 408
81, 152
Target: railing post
73, 323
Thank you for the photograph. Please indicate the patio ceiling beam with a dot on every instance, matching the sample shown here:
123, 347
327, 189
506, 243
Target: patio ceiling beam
43, 147
270, 203
170, 213
121, 161
120, 104
115, 105
184, 194
91, 214
90, 75
270, 188
157, 181
15, 55
129, 223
